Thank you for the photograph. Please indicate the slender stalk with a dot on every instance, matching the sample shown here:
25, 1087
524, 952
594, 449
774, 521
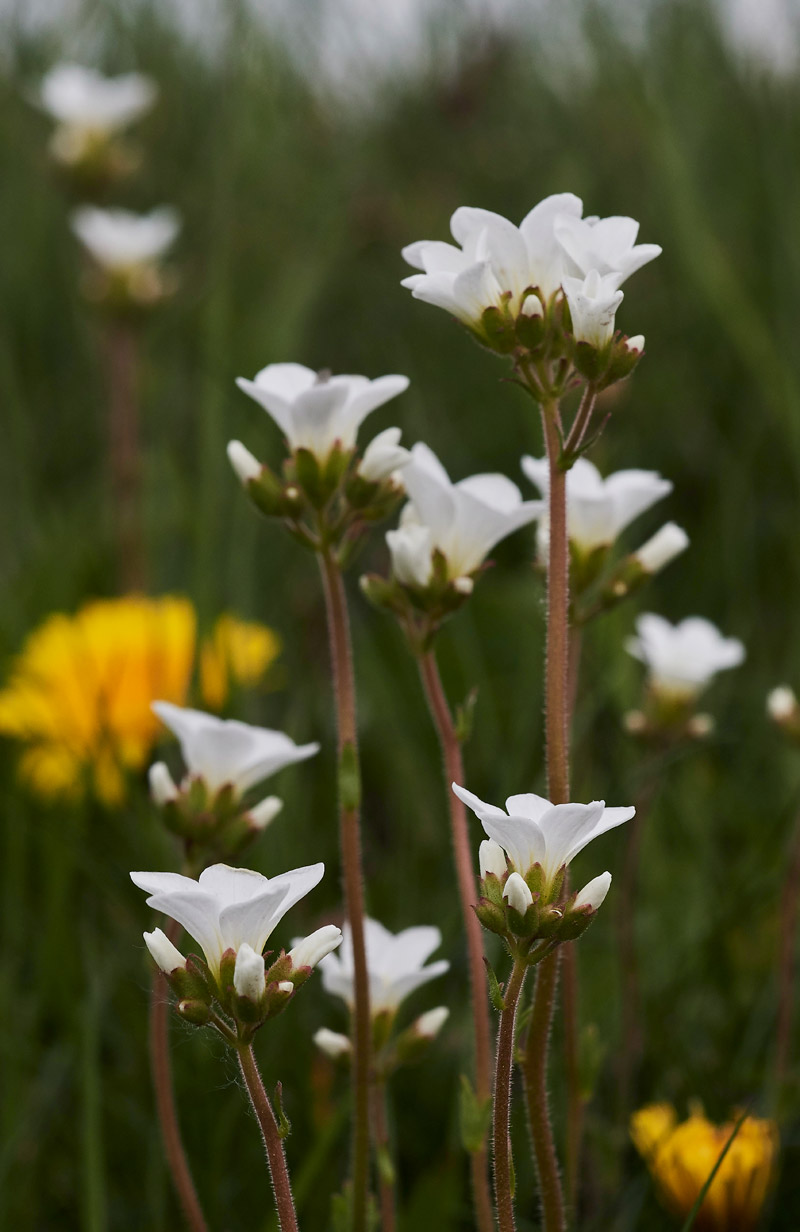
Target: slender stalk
535, 1071
786, 961
465, 876
380, 1133
125, 451
161, 1070
273, 1143
503, 1172
350, 841
571, 997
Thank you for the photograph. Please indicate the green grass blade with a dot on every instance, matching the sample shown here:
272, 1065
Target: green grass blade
695, 1211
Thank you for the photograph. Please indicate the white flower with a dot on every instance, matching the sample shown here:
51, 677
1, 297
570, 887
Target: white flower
395, 964
517, 893
225, 751
227, 908
781, 703
162, 786
83, 100
491, 858
315, 411
120, 240
663, 547
249, 973
167, 955
593, 302
607, 245
682, 659
332, 1043
594, 892
599, 509
430, 1023
244, 463
383, 456
312, 949
463, 520
534, 831
494, 257
264, 812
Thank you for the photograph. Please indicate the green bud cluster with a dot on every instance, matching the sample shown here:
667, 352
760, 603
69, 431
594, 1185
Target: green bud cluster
668, 719
421, 610
214, 826
547, 922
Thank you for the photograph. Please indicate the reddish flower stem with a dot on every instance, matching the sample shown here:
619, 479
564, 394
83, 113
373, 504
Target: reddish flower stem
503, 1186
380, 1133
273, 1143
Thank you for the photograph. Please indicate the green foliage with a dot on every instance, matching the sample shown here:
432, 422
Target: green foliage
295, 212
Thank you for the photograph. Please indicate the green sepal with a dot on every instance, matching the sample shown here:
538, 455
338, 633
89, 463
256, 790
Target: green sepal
349, 778
530, 331
495, 991
382, 1023
190, 984
621, 363
526, 925
309, 477
551, 921
284, 1124
227, 966
475, 1116
498, 330
590, 361
491, 917
266, 493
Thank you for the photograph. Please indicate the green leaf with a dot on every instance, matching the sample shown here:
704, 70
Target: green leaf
695, 1211
475, 1115
495, 991
284, 1124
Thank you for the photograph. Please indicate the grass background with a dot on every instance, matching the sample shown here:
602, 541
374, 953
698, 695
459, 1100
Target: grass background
294, 213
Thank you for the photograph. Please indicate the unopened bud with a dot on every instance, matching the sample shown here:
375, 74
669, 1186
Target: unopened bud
431, 1023
517, 894
593, 893
491, 858
261, 814
246, 465
332, 1043
464, 585
167, 955
162, 786
782, 703
318, 945
636, 343
197, 1012
285, 986
663, 547
248, 974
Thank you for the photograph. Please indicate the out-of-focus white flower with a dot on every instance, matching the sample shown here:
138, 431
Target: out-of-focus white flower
463, 520
162, 786
249, 973
395, 964
430, 1024
312, 949
606, 245
599, 509
534, 831
163, 952
245, 464
664, 546
517, 893
316, 411
682, 659
89, 109
593, 303
491, 858
121, 241
493, 258
225, 751
593, 893
261, 814
227, 908
383, 456
332, 1043
636, 343
782, 703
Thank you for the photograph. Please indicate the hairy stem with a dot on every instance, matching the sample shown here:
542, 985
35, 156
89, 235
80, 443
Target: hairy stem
536, 1095
786, 961
273, 1143
125, 451
571, 997
502, 1100
465, 876
161, 1071
350, 841
380, 1133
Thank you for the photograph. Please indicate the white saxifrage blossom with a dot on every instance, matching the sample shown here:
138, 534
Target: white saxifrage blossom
332, 1043
395, 965
536, 832
682, 659
383, 456
593, 303
89, 108
599, 509
121, 241
316, 411
463, 520
606, 245
226, 908
225, 752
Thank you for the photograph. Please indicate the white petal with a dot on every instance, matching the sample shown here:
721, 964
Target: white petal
491, 858
162, 786
311, 951
517, 894
664, 546
265, 811
245, 464
332, 1043
431, 1023
168, 956
594, 892
248, 973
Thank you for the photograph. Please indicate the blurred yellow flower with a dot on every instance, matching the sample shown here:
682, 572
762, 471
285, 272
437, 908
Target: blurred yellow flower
81, 689
237, 652
681, 1157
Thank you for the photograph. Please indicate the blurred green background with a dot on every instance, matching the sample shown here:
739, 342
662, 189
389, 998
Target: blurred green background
295, 208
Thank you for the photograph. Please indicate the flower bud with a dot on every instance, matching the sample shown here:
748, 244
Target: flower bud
261, 814
197, 1012
517, 894
246, 465
285, 986
162, 786
333, 1044
663, 547
168, 956
318, 945
532, 306
782, 704
491, 858
411, 550
430, 1024
593, 893
464, 585
248, 974
636, 343
383, 456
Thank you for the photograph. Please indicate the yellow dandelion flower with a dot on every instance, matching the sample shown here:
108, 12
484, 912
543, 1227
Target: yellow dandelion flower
238, 652
682, 1156
81, 688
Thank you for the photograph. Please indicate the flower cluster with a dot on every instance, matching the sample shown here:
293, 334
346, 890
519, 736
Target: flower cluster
231, 913
81, 690
90, 111
681, 1158
126, 250
523, 863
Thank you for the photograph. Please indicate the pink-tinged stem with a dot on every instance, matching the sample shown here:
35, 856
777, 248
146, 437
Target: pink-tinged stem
380, 1132
273, 1143
161, 1070
350, 841
503, 1186
465, 876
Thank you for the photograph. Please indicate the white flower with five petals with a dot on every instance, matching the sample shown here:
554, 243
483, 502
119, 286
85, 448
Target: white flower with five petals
682, 659
534, 831
606, 245
463, 520
316, 411
121, 241
395, 965
593, 303
226, 908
